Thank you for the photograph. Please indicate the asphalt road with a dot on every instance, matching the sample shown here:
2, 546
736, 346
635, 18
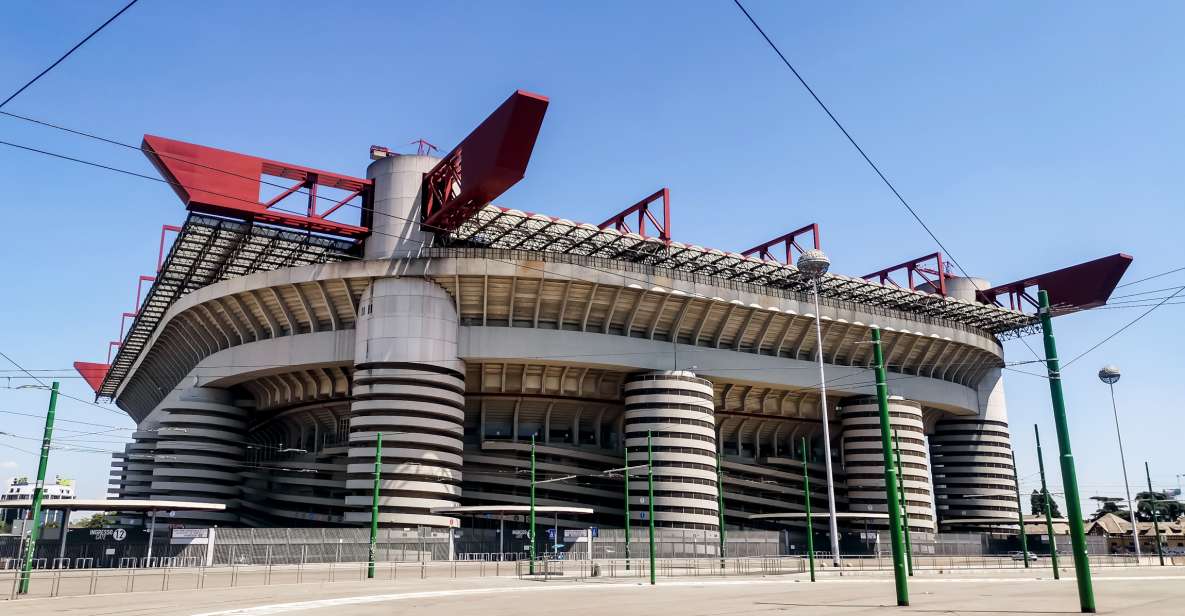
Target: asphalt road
1147, 591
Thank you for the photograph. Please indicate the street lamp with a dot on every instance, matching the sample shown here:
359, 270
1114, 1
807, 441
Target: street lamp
1110, 375
814, 264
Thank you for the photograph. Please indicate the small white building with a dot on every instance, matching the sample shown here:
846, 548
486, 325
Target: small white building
21, 489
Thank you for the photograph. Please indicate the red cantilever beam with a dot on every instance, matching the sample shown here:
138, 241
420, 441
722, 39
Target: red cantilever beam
935, 276
620, 221
789, 241
1078, 287
484, 165
92, 373
227, 183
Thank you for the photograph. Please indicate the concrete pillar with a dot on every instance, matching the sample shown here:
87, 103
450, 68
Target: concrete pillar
397, 206
409, 384
863, 459
678, 407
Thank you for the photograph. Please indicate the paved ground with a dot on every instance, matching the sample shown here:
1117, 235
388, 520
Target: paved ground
1148, 591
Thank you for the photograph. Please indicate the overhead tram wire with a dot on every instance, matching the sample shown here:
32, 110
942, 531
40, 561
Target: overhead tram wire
68, 53
865, 156
1135, 282
1122, 329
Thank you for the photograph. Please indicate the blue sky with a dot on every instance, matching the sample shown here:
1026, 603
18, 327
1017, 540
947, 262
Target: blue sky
1028, 136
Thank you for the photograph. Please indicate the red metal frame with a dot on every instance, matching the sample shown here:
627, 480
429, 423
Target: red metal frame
92, 373
935, 276
228, 184
485, 164
114, 344
620, 221
139, 290
789, 241
423, 147
1078, 287
160, 254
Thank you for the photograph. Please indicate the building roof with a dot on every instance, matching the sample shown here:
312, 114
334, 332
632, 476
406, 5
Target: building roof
1112, 524
100, 504
208, 250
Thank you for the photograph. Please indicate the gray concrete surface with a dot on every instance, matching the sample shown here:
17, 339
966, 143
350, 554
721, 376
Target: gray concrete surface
1145, 591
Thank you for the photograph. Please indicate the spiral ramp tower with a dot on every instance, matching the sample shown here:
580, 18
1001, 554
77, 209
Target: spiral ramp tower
675, 409
863, 457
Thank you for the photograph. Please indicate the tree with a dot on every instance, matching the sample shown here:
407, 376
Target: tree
98, 520
1108, 504
1037, 503
1166, 509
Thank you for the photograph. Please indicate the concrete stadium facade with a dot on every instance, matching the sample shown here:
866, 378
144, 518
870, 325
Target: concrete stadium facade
266, 391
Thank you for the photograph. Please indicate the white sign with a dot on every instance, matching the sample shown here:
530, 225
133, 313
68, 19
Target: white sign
521, 533
103, 534
191, 533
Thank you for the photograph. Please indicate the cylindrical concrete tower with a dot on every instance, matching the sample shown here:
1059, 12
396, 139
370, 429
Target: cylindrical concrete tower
973, 470
395, 229
139, 459
863, 457
408, 384
678, 408
200, 447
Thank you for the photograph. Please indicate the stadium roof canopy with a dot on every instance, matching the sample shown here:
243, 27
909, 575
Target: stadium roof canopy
207, 250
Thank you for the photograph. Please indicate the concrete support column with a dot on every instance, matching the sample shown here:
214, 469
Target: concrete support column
200, 446
678, 408
397, 206
409, 385
864, 460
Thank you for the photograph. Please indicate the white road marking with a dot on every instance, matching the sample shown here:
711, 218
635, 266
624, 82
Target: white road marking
283, 608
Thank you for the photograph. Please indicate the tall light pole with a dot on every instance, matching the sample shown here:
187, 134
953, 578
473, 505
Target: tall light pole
1110, 375
815, 264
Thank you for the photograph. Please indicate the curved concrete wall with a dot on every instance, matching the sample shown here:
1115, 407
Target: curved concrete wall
409, 385
677, 408
973, 469
863, 457
199, 451
396, 228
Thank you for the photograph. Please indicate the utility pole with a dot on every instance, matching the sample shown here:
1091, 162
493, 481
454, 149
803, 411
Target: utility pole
1020, 514
1066, 457
650, 496
1048, 507
531, 532
904, 505
626, 474
893, 499
1155, 516
810, 523
720, 501
39, 492
374, 505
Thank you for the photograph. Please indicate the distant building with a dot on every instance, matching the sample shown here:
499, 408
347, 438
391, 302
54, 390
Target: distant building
1118, 531
21, 488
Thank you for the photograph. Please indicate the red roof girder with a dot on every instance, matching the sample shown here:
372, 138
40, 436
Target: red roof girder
227, 183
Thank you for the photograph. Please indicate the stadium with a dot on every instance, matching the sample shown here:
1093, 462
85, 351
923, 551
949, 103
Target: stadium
298, 313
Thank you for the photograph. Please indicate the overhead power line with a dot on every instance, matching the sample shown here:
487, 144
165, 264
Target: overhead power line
864, 155
1121, 329
67, 54
1172, 271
